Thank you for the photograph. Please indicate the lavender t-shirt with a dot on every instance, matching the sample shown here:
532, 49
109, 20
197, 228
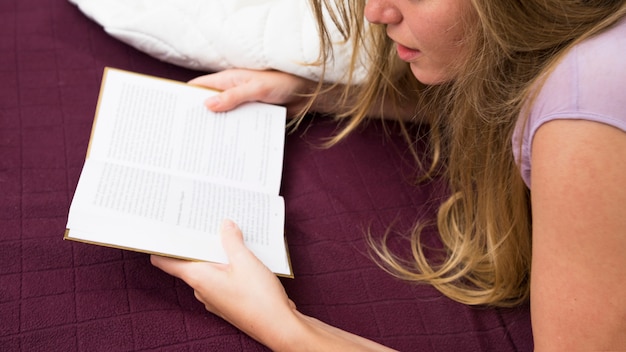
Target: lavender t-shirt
588, 84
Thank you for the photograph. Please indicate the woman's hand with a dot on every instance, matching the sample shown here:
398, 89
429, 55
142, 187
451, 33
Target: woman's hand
248, 295
244, 292
239, 86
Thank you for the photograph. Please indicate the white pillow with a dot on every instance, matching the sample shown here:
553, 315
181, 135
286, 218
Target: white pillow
212, 35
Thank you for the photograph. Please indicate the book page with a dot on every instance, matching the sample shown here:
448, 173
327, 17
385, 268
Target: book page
159, 213
163, 125
162, 172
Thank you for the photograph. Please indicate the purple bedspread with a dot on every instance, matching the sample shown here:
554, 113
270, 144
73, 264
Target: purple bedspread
57, 295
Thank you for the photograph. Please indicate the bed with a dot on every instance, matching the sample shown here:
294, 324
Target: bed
58, 295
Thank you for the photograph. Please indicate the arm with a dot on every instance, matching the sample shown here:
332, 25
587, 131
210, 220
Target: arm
246, 294
578, 286
243, 85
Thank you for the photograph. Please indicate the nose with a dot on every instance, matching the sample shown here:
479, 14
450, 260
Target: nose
382, 12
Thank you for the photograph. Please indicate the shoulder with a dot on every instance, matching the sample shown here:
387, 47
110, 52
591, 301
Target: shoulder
588, 83
589, 80
578, 140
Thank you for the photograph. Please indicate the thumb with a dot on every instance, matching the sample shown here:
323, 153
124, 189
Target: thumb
232, 240
233, 97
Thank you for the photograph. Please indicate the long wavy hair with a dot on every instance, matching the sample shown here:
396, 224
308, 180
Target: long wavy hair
485, 223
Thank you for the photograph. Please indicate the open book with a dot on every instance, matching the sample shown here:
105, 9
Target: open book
162, 172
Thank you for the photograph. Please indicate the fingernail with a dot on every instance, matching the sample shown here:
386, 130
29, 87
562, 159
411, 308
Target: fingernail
213, 102
228, 224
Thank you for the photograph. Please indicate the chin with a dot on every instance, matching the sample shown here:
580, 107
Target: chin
430, 77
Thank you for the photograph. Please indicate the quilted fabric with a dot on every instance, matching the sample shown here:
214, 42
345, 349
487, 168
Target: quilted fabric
57, 295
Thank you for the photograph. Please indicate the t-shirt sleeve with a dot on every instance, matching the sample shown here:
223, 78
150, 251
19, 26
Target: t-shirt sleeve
588, 84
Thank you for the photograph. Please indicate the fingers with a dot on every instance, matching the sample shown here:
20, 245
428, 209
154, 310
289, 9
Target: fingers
240, 258
234, 86
222, 80
174, 267
233, 97
232, 241
239, 86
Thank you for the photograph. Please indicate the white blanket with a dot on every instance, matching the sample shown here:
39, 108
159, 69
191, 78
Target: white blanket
212, 35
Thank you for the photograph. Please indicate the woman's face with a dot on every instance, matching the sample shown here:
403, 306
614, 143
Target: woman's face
429, 34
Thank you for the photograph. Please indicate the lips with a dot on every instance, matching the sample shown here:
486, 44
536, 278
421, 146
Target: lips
407, 54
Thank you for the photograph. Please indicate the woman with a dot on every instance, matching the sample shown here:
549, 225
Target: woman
504, 85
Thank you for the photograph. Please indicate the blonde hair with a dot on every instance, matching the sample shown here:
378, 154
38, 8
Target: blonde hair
485, 223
